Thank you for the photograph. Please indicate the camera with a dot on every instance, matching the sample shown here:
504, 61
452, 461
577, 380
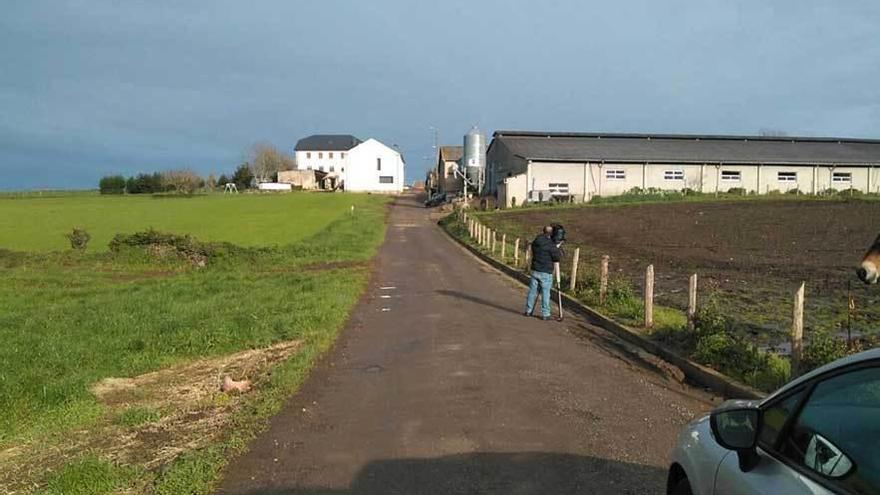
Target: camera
558, 235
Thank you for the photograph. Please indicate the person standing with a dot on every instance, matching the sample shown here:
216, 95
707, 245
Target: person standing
544, 254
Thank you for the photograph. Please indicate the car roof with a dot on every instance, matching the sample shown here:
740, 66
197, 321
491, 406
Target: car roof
870, 355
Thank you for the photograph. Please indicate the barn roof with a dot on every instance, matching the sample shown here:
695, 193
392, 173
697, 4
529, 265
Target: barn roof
676, 148
327, 142
451, 153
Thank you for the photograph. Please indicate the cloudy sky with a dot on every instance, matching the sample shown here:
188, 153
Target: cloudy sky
95, 87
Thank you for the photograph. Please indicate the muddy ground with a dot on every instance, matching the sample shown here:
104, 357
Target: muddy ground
751, 254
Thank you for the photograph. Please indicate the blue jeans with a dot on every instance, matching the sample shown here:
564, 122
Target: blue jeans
545, 280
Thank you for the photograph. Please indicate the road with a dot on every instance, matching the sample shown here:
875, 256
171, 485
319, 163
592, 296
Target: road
439, 385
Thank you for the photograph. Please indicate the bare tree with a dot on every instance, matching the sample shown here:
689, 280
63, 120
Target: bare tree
266, 161
182, 181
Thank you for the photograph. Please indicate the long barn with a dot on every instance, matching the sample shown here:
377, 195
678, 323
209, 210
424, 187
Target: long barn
539, 166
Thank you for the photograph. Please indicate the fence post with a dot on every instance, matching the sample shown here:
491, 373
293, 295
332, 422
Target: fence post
649, 296
603, 279
503, 246
493, 240
692, 303
797, 331
574, 269
528, 254
516, 252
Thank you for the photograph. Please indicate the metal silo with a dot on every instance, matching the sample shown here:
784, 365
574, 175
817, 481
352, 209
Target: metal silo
474, 158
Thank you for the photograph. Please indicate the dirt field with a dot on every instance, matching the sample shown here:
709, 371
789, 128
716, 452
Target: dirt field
752, 255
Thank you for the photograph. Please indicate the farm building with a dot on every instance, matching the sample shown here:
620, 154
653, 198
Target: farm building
303, 179
448, 160
351, 164
540, 166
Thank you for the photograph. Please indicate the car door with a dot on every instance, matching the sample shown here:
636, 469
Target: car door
822, 438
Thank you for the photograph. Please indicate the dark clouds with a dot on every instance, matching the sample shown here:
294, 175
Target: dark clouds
95, 87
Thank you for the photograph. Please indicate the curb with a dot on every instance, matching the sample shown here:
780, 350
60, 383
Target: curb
717, 382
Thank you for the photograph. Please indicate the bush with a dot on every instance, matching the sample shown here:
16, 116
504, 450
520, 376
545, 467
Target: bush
163, 245
794, 191
112, 184
822, 349
78, 238
739, 191
144, 184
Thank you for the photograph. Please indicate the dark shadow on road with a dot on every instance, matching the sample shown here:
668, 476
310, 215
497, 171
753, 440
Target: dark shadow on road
526, 473
477, 300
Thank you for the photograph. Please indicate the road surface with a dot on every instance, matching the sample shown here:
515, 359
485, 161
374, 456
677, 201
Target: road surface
439, 385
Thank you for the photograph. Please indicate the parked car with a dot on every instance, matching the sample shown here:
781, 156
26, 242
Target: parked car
819, 434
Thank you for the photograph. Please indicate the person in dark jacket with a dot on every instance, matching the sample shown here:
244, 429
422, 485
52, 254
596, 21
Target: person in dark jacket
544, 254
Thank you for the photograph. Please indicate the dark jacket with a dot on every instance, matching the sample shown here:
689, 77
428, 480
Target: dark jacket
544, 253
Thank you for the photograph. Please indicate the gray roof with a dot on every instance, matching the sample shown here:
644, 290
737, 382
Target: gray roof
675, 148
451, 153
327, 142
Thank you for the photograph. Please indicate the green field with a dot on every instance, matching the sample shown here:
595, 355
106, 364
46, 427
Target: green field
70, 319
29, 223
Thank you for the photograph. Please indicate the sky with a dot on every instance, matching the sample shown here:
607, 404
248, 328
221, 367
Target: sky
89, 88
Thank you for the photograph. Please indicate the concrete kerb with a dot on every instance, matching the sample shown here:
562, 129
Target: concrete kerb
719, 383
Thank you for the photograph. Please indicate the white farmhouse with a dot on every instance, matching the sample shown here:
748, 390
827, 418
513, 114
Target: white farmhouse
352, 164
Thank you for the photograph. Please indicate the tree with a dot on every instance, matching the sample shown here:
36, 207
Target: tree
266, 161
112, 184
221, 182
181, 181
144, 184
243, 177
210, 182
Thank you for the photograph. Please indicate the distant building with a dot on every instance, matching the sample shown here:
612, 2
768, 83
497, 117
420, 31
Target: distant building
540, 166
303, 179
448, 161
352, 164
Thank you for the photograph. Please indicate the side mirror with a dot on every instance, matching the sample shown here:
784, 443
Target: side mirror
735, 426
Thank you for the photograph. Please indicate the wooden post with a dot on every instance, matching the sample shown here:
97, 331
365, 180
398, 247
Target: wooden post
528, 254
603, 279
649, 296
516, 252
797, 331
692, 303
574, 269
503, 246
493, 240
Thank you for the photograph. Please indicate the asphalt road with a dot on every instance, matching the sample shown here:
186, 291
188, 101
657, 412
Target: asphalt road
438, 385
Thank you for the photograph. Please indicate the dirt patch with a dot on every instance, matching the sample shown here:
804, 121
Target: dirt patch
752, 254
193, 412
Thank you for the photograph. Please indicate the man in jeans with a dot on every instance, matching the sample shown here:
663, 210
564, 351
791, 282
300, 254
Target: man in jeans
544, 254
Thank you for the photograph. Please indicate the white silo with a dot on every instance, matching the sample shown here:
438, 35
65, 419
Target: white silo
474, 158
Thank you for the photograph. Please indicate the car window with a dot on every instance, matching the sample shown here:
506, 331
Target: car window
837, 433
775, 418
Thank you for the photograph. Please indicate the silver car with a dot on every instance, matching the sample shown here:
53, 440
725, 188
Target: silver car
819, 434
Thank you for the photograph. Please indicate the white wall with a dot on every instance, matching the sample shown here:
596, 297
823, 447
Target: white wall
362, 172
321, 160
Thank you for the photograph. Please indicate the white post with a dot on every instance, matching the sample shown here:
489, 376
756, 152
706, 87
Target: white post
692, 303
516, 252
503, 246
574, 269
797, 331
603, 279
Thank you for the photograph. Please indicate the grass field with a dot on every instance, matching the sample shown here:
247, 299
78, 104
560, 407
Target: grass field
29, 223
71, 319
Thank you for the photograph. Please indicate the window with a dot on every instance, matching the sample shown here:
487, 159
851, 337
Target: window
842, 177
837, 432
673, 175
775, 418
330, 155
731, 175
386, 179
558, 188
786, 176
332, 168
308, 155
320, 156
342, 155
309, 167
378, 164
321, 168
615, 174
